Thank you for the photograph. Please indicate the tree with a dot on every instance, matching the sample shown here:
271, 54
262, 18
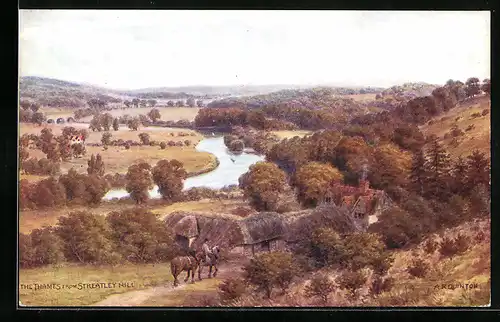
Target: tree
35, 107
418, 174
106, 121
116, 125
236, 146
106, 138
141, 236
478, 170
320, 286
46, 246
38, 118
95, 165
152, 103
134, 123
231, 289
472, 86
23, 156
25, 105
143, 103
139, 181
154, 115
313, 180
262, 184
135, 102
163, 145
190, 102
351, 281
127, 103
25, 251
438, 169
96, 123
459, 176
269, 270
48, 193
86, 238
170, 103
169, 176
144, 137
200, 103
486, 86
179, 103
78, 150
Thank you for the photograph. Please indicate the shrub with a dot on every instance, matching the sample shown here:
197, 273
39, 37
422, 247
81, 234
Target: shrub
454, 246
236, 146
85, 238
231, 289
470, 127
47, 247
351, 281
485, 112
418, 268
163, 145
127, 146
381, 284
475, 115
144, 137
187, 143
171, 143
320, 286
269, 270
430, 246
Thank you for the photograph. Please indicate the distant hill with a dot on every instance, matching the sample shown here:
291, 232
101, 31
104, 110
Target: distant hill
59, 93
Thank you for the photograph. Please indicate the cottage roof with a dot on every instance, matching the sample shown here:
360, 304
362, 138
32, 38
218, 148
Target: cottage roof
261, 227
187, 227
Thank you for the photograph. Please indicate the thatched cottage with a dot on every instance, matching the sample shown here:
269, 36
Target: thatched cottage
262, 232
362, 202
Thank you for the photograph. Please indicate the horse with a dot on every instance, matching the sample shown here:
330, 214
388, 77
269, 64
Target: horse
183, 263
214, 258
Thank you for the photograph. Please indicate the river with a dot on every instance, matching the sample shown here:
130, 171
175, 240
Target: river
227, 173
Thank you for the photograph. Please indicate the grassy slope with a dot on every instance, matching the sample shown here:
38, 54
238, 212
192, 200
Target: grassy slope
477, 138
471, 267
141, 276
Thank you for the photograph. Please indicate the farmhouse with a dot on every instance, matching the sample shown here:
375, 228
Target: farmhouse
362, 202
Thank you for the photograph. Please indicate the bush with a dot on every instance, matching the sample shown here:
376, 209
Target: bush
381, 284
163, 145
47, 247
485, 112
141, 236
470, 127
419, 268
320, 286
269, 270
86, 238
454, 246
236, 146
351, 281
231, 289
127, 146
430, 246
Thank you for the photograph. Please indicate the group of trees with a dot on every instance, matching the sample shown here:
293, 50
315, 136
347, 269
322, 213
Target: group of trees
169, 176
133, 235
56, 148
69, 188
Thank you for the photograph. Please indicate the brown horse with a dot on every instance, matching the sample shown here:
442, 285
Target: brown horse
183, 263
214, 258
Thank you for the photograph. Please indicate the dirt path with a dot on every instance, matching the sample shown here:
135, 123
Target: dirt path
137, 298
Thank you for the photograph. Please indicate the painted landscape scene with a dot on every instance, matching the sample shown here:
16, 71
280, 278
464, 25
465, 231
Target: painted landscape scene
254, 158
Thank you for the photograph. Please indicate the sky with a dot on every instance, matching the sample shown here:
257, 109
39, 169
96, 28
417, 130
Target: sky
130, 49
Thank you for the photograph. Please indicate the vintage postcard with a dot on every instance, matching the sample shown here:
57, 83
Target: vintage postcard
254, 158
